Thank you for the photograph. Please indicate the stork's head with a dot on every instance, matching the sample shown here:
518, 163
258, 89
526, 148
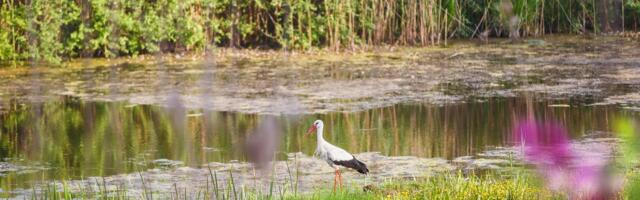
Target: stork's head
316, 125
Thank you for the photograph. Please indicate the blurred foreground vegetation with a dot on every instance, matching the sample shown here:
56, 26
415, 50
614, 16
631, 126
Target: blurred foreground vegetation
53, 30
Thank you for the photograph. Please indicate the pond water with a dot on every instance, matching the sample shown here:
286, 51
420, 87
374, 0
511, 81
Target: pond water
112, 117
74, 139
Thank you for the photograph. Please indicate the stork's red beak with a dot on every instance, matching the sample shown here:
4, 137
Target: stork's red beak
311, 129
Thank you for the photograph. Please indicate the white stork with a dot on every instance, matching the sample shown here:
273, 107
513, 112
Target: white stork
335, 156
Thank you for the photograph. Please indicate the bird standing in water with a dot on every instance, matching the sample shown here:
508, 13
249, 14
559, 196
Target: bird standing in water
335, 156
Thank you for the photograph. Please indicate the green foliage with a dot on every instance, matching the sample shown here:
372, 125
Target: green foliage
632, 13
60, 29
630, 142
633, 6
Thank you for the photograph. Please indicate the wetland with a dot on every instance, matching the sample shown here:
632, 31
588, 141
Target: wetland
408, 112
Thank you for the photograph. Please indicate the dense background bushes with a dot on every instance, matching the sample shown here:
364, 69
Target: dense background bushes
53, 30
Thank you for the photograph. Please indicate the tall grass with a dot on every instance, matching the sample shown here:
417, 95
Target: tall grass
445, 186
51, 30
517, 185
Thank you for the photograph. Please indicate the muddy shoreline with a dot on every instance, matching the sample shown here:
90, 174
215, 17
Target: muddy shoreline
303, 173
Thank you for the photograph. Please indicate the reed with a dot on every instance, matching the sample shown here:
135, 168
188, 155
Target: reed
39, 30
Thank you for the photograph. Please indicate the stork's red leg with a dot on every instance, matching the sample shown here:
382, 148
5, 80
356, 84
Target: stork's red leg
340, 178
335, 180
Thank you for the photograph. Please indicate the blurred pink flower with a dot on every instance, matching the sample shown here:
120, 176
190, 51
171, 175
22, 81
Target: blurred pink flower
547, 146
544, 143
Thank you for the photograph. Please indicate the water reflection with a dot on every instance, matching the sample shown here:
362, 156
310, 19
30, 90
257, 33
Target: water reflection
79, 139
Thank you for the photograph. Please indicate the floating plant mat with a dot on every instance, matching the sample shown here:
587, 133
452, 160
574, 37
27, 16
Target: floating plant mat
559, 67
15, 168
303, 173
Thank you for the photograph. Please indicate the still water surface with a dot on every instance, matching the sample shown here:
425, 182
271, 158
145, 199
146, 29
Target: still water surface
77, 139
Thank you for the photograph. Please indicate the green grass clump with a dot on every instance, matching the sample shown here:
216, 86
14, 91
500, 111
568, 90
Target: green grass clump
632, 188
448, 186
345, 193
472, 187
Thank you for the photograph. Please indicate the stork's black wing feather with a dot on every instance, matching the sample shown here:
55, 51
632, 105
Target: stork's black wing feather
353, 164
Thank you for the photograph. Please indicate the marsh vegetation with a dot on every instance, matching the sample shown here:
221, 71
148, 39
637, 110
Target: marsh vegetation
51, 31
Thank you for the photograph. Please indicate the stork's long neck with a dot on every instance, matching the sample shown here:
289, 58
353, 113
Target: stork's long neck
319, 135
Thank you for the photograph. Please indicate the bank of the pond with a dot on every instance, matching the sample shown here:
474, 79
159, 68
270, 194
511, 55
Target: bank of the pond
518, 185
300, 174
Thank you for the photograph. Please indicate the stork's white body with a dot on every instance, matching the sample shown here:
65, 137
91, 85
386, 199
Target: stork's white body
330, 153
335, 156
